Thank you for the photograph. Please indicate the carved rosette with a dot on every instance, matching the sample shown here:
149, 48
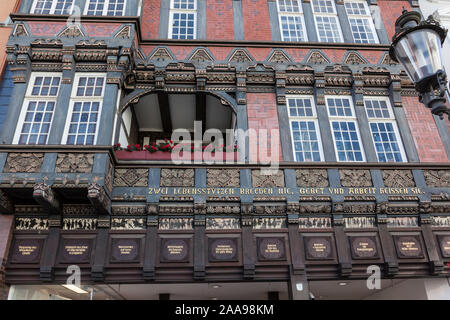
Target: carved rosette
24, 162
355, 178
398, 178
74, 162
312, 178
271, 179
177, 177
130, 177
437, 178
222, 178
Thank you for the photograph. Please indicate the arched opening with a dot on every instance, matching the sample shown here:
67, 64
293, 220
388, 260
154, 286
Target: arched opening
154, 116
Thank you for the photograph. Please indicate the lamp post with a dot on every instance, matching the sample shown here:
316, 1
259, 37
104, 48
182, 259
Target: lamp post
417, 46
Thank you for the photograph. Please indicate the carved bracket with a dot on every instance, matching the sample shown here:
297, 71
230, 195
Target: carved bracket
99, 199
45, 196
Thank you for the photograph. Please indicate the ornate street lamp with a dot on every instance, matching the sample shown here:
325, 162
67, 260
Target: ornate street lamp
417, 46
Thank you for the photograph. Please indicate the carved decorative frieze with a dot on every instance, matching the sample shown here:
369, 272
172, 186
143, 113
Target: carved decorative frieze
78, 210
161, 54
125, 33
359, 208
176, 223
437, 178
269, 223
267, 179
128, 210
31, 224
222, 223
398, 178
79, 224
222, 178
402, 222
175, 208
20, 30
130, 177
266, 208
314, 223
24, 162
359, 222
74, 162
223, 209
355, 178
177, 177
312, 178
440, 221
314, 208
128, 224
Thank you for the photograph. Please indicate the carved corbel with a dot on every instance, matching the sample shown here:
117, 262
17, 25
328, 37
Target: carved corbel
280, 79
200, 76
358, 86
44, 195
99, 199
241, 83
160, 79
320, 86
395, 88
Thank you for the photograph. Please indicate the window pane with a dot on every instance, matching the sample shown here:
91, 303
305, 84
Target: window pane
292, 28
83, 123
90, 86
289, 5
183, 26
306, 144
348, 146
36, 125
386, 142
328, 29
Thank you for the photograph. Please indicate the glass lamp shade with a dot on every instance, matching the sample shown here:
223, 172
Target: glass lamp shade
420, 53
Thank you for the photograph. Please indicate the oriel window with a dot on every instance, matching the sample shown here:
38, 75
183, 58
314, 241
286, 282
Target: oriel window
85, 110
38, 108
52, 6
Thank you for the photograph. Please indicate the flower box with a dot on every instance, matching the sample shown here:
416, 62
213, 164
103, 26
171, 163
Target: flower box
167, 156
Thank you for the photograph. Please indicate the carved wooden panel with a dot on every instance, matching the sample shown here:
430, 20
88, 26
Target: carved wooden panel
437, 178
130, 177
312, 178
222, 178
398, 178
271, 179
24, 162
177, 177
74, 162
355, 178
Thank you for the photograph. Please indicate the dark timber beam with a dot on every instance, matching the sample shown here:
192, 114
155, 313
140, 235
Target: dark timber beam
164, 109
6, 205
200, 109
44, 195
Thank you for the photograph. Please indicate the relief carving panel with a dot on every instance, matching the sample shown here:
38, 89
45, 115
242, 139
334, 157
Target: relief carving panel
260, 180
355, 178
74, 162
398, 178
437, 178
177, 177
222, 178
312, 178
24, 162
130, 177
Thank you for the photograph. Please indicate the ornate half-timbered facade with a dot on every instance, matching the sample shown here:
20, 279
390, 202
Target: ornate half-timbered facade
363, 176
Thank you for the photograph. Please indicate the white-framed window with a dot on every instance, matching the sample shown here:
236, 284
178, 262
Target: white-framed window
383, 127
344, 128
36, 116
361, 22
105, 7
292, 22
326, 20
183, 19
85, 109
304, 127
52, 6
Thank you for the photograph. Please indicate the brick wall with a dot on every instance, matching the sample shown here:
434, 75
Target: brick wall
390, 11
256, 20
262, 114
424, 131
219, 20
150, 22
6, 222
